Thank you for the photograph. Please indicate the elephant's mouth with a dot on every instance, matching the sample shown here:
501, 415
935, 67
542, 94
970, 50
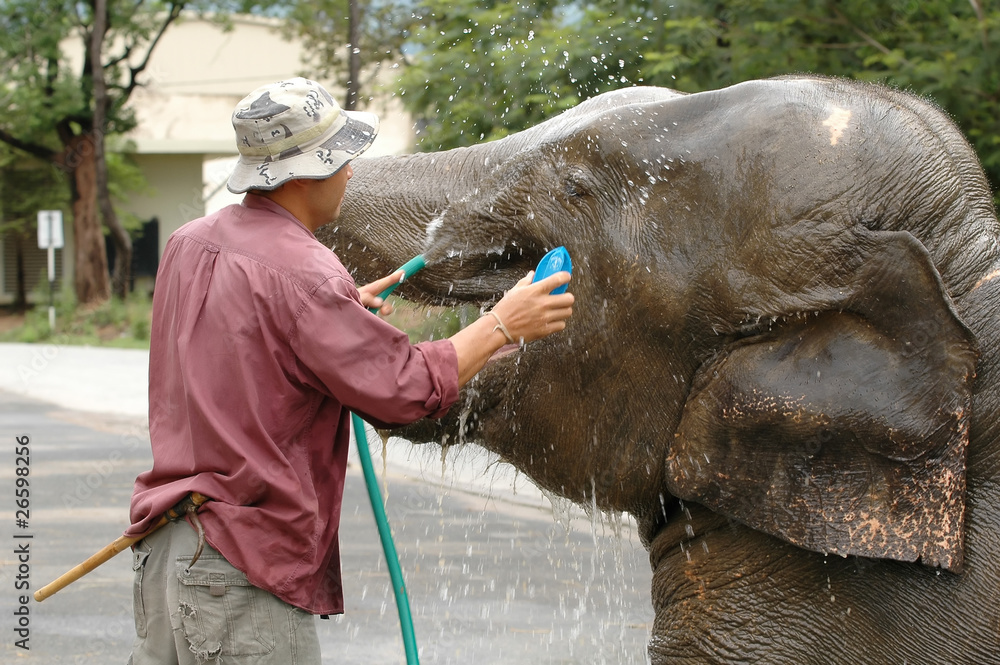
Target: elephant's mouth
502, 352
458, 274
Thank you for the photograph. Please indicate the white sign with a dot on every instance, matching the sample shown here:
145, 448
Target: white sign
50, 229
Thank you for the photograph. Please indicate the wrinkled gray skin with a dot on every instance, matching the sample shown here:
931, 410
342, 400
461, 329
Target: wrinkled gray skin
782, 359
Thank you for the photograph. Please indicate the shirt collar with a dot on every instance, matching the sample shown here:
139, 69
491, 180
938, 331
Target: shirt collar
258, 202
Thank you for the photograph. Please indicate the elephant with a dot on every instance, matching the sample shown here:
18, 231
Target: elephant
782, 359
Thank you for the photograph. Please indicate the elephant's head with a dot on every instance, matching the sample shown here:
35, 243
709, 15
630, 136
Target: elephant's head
764, 318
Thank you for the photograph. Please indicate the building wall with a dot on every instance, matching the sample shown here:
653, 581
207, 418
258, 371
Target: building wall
34, 264
176, 191
198, 74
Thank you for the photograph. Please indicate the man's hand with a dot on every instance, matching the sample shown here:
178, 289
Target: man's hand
528, 311
369, 292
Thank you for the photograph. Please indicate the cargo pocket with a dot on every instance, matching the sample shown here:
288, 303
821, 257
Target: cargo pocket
139, 556
221, 613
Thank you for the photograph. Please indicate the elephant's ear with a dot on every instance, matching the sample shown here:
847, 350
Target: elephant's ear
842, 431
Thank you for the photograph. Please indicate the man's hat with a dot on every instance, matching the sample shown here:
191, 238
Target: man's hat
295, 129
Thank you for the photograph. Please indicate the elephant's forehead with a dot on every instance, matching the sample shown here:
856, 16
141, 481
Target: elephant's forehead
837, 122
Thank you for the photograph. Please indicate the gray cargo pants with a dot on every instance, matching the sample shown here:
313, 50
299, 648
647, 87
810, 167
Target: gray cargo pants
210, 613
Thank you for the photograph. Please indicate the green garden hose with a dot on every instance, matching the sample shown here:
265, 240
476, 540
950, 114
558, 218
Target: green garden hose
385, 534
375, 495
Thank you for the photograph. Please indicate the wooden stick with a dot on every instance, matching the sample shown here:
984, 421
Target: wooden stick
111, 550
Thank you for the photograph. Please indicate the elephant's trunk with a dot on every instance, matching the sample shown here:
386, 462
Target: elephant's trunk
390, 203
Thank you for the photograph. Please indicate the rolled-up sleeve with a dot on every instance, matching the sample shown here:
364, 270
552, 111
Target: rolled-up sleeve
367, 364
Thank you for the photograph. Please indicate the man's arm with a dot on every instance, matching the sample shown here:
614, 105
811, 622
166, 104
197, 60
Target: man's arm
527, 311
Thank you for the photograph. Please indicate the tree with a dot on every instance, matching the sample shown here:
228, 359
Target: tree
25, 188
945, 50
481, 70
64, 117
347, 39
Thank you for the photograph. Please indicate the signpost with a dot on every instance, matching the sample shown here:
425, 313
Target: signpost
50, 237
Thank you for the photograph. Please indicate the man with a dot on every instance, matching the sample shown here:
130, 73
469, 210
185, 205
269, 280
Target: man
261, 346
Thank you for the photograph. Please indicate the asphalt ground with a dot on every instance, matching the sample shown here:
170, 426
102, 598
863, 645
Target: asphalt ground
496, 572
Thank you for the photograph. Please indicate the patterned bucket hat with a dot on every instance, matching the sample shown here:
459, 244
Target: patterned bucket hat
295, 129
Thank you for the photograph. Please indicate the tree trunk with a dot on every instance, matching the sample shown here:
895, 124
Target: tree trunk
123, 243
90, 258
21, 292
353, 55
121, 278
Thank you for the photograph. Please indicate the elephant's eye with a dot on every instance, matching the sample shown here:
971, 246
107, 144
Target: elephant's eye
576, 185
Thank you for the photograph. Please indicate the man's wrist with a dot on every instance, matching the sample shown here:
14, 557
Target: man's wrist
501, 327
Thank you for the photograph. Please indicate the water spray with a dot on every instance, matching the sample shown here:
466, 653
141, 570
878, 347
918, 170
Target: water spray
555, 261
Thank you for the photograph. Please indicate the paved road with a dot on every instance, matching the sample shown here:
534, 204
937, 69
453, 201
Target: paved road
496, 573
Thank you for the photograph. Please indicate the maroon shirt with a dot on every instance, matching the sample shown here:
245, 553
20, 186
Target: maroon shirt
260, 347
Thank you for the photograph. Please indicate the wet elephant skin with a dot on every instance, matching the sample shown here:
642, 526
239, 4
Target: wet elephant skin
782, 359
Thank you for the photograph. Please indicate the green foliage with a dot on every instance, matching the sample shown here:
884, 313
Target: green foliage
61, 103
41, 87
482, 70
322, 26
36, 84
116, 323
423, 323
27, 186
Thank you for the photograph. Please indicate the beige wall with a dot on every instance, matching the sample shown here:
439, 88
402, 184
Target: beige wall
195, 78
197, 74
176, 191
